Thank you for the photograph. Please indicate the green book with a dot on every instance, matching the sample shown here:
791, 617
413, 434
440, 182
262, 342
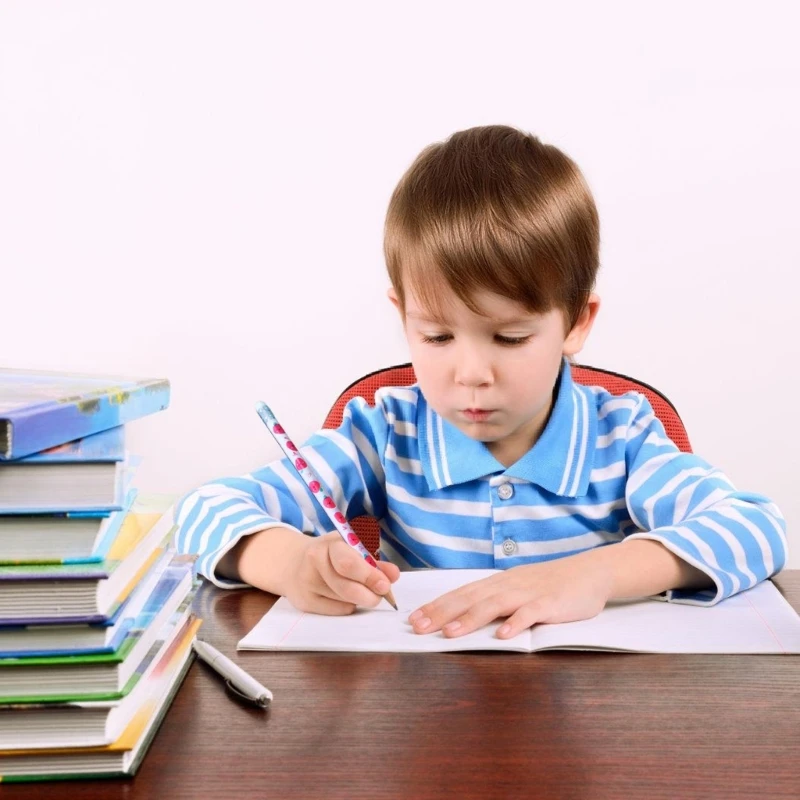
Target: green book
122, 755
95, 675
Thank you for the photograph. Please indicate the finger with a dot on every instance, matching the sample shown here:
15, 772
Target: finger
349, 564
328, 583
356, 567
380, 580
482, 613
320, 604
447, 607
433, 616
345, 576
522, 619
391, 571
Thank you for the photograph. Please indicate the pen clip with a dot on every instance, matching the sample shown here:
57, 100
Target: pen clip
261, 702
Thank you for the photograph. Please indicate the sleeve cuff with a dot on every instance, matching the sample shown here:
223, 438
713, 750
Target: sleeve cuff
208, 564
689, 597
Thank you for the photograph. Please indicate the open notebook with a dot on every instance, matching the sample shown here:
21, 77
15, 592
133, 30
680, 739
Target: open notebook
757, 621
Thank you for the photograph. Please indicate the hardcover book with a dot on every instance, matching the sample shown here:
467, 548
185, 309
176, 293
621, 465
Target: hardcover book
125, 728
97, 675
106, 637
88, 474
39, 410
61, 538
104, 447
85, 592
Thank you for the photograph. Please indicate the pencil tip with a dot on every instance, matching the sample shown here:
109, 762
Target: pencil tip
389, 597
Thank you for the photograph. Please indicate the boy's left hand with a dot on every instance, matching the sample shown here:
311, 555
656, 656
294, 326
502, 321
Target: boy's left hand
564, 590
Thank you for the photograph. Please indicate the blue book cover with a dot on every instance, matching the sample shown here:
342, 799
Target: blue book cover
172, 577
40, 410
104, 447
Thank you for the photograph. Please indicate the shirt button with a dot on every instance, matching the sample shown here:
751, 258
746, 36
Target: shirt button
509, 545
505, 491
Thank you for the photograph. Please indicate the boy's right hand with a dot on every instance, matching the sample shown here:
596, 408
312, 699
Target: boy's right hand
320, 574
327, 576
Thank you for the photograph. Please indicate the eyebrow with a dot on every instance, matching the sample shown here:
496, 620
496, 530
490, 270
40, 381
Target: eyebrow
511, 321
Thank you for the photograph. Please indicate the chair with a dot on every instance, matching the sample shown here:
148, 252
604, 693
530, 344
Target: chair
403, 375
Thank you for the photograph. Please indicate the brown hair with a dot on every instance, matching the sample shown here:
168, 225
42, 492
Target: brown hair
493, 208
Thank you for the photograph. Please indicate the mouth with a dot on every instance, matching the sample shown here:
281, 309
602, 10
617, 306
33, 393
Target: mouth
477, 414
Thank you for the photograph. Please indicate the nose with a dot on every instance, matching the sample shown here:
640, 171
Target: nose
473, 368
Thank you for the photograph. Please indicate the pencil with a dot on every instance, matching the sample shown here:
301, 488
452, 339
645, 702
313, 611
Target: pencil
312, 480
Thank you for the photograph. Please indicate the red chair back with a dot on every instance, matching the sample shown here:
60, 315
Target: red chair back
403, 375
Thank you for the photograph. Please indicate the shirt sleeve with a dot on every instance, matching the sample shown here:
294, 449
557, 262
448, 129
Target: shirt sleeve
737, 538
349, 460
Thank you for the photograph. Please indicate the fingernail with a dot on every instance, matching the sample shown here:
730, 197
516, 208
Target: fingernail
381, 587
452, 626
416, 615
503, 630
423, 623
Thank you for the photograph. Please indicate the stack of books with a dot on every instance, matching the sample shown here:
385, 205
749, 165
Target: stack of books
95, 606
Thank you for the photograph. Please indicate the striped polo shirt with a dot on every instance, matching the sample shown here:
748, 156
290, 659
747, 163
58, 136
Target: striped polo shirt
603, 470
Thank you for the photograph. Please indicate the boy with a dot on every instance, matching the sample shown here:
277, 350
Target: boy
495, 458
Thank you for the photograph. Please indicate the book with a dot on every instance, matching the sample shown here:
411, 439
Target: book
61, 538
23, 639
39, 410
84, 475
96, 675
75, 722
758, 620
134, 615
49, 640
106, 446
40, 593
119, 758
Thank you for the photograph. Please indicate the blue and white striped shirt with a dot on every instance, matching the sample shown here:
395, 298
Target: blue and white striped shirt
603, 470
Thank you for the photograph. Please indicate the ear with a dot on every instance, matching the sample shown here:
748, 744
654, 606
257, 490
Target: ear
580, 330
392, 295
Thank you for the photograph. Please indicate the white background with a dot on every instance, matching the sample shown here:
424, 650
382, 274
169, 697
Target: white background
196, 190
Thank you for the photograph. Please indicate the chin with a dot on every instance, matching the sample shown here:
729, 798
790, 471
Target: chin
479, 431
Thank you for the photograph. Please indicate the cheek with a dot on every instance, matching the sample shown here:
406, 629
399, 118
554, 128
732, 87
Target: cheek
422, 353
534, 379
428, 369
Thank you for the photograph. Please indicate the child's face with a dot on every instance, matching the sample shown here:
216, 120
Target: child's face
492, 377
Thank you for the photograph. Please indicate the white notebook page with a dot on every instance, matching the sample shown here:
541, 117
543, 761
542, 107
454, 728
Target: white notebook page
757, 621
381, 629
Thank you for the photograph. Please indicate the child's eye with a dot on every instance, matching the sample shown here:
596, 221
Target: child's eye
509, 341
512, 340
441, 339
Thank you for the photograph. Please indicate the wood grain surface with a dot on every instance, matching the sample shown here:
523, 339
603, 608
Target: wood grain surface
490, 725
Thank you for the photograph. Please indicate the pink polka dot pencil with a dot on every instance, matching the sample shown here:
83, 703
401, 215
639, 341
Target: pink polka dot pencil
312, 480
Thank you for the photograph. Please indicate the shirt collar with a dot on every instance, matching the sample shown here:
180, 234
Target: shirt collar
560, 461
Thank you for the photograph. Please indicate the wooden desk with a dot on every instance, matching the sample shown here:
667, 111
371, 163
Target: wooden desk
561, 725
